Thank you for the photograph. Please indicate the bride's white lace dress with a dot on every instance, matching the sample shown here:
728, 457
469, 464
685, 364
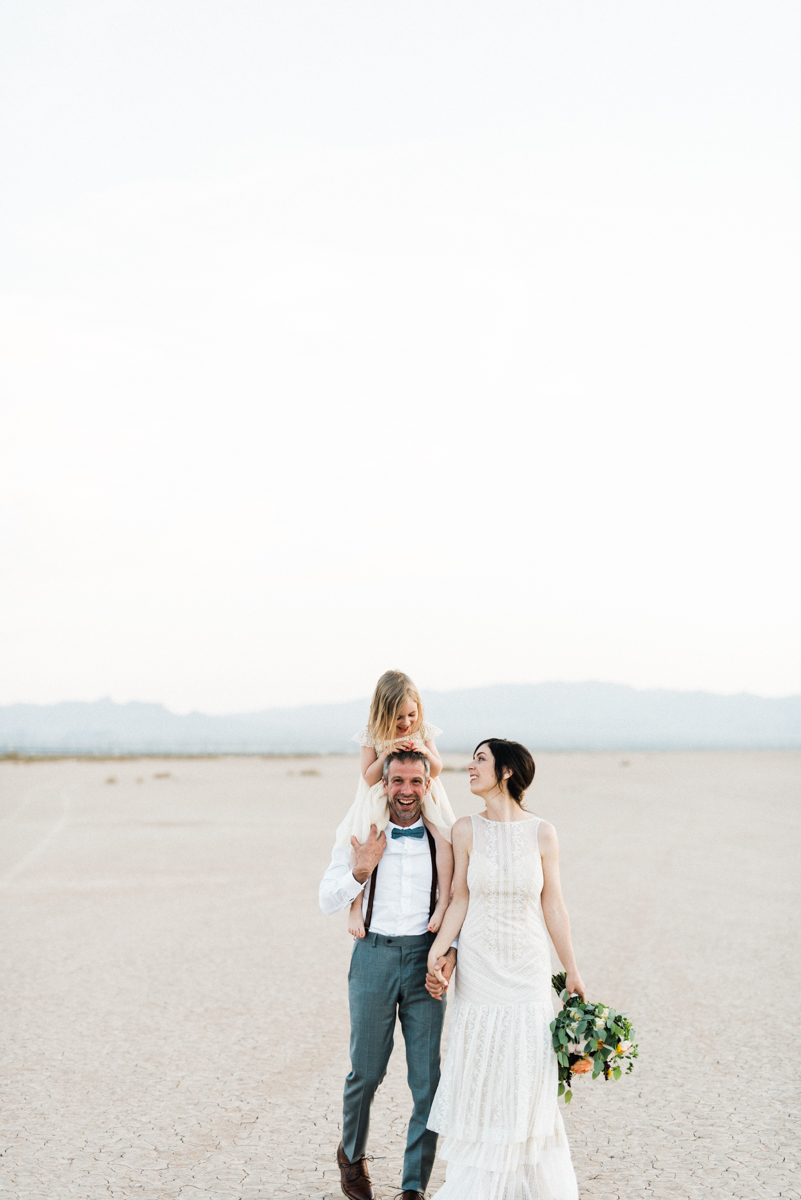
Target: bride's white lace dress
497, 1100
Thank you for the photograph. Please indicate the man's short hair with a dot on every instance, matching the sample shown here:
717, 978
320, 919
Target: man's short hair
406, 756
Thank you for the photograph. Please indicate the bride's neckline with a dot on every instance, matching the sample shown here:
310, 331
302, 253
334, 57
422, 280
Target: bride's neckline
522, 821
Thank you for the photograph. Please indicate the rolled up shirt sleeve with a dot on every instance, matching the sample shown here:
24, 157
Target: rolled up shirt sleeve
338, 888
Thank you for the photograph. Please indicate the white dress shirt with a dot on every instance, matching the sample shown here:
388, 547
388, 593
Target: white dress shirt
403, 885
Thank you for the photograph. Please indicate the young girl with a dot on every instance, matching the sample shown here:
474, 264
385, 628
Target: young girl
397, 722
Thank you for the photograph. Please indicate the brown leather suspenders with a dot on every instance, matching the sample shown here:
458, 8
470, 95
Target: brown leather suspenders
433, 901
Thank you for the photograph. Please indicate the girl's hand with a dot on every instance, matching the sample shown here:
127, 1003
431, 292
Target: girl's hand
410, 744
575, 984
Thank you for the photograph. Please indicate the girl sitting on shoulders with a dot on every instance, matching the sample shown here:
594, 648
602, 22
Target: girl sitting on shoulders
397, 722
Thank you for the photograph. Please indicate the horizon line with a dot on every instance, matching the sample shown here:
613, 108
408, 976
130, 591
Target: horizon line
365, 699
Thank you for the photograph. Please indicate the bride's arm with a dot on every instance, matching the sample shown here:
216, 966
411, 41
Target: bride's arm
462, 835
554, 909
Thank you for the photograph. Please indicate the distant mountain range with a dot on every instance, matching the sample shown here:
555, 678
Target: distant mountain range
545, 716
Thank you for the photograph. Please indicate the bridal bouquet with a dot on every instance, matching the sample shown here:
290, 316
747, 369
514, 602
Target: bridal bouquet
589, 1037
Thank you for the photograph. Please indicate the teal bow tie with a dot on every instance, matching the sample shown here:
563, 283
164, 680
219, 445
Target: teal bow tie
417, 832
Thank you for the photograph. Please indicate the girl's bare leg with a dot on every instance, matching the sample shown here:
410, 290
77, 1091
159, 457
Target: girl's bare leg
444, 877
355, 916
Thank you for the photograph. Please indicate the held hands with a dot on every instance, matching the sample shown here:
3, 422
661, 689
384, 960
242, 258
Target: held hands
368, 854
439, 973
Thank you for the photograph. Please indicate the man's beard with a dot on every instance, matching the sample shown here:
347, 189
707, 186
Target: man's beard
406, 814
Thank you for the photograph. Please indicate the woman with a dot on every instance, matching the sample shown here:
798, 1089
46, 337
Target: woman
496, 1102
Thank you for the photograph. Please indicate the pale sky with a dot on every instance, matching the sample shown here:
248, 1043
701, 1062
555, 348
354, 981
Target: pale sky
340, 335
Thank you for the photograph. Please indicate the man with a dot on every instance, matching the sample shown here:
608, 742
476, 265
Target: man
388, 974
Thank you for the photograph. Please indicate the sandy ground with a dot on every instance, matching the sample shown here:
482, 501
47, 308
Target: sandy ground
174, 1012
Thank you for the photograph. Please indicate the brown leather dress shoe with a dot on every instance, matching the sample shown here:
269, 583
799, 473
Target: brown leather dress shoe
354, 1177
410, 1196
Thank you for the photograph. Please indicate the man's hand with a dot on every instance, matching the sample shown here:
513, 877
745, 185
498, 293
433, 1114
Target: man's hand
368, 854
444, 967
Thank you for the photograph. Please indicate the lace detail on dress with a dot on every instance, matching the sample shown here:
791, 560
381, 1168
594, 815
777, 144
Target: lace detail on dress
429, 732
364, 738
504, 865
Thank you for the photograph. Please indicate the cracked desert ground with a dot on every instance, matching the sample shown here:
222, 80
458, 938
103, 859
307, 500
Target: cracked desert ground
174, 1010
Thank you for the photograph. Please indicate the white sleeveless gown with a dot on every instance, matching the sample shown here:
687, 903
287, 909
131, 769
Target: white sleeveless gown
497, 1101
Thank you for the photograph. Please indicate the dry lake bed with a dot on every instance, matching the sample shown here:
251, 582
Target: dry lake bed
173, 1008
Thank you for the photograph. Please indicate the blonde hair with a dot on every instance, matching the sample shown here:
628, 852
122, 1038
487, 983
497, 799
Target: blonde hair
391, 691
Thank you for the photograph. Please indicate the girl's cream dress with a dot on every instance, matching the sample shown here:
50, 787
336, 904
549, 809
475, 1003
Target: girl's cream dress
370, 806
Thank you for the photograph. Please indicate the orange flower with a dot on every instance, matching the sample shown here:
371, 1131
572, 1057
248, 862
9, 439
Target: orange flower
582, 1067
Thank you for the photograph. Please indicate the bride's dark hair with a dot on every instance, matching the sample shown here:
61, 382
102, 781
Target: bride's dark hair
511, 756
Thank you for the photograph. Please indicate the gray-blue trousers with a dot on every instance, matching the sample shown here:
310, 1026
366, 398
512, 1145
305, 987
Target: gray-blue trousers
387, 977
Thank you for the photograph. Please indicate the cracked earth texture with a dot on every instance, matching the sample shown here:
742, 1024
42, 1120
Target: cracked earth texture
174, 1010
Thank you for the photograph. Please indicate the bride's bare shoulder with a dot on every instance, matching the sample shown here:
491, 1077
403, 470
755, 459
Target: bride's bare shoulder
462, 832
546, 835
